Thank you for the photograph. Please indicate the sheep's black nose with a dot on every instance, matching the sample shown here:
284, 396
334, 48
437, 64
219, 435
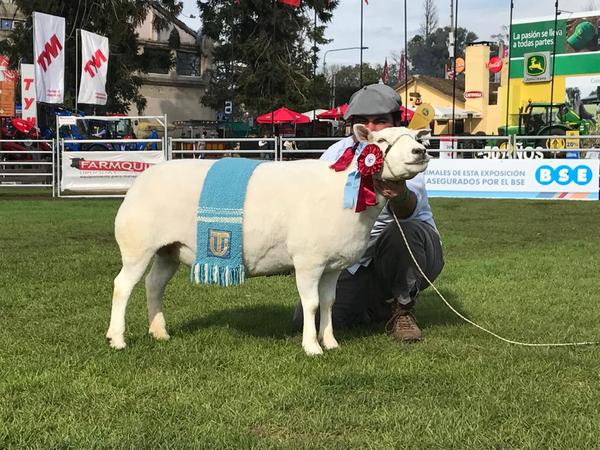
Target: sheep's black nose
418, 151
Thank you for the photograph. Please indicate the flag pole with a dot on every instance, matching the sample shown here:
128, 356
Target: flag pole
361, 43
454, 74
405, 60
76, 64
553, 62
512, 6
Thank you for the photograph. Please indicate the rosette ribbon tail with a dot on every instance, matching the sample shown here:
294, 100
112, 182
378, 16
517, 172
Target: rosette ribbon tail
351, 189
366, 193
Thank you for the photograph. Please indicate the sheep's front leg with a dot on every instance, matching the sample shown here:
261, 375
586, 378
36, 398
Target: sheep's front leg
307, 281
327, 287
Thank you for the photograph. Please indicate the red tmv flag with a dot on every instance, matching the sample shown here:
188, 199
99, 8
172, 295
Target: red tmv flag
294, 3
385, 76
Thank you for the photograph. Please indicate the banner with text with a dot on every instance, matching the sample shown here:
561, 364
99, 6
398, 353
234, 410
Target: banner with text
28, 94
49, 57
577, 44
94, 66
574, 179
112, 172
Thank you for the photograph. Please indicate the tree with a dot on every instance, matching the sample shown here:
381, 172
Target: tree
117, 20
347, 79
428, 55
430, 18
261, 53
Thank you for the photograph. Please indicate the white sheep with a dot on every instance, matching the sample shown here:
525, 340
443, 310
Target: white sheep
293, 219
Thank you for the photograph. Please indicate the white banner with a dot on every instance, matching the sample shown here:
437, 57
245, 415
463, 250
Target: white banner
28, 94
49, 57
112, 172
560, 179
94, 66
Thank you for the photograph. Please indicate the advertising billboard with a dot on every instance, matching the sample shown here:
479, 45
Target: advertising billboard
577, 46
575, 179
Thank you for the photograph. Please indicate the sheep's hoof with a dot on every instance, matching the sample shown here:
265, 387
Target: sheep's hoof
330, 343
312, 349
117, 343
160, 335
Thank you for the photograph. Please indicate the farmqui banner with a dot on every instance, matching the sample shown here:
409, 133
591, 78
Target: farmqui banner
559, 179
112, 172
577, 43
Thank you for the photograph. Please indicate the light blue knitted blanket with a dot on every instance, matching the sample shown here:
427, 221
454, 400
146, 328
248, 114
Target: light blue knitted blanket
219, 223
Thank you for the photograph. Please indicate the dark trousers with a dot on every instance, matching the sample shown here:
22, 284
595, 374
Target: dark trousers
366, 296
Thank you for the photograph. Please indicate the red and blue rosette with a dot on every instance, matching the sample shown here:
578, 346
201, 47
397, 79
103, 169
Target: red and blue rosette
359, 191
370, 162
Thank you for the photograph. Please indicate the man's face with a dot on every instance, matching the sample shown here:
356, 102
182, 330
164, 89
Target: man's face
375, 122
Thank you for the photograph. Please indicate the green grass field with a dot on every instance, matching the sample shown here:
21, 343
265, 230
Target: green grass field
234, 375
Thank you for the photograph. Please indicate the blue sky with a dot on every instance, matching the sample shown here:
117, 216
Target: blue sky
383, 22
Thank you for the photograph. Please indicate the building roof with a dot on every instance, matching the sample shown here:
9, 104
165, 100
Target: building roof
174, 20
446, 87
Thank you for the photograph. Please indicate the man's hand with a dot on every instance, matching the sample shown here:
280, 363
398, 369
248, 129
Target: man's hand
391, 189
401, 199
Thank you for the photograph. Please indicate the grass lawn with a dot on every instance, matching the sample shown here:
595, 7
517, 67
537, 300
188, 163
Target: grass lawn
234, 375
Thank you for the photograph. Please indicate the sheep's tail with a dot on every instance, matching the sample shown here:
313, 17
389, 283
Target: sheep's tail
215, 274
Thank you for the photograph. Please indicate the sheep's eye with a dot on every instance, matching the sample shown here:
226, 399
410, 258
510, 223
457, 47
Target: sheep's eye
381, 141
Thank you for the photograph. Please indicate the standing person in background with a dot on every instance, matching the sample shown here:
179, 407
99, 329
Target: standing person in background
385, 283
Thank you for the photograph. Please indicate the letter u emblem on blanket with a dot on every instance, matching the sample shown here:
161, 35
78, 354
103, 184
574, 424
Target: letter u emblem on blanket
218, 243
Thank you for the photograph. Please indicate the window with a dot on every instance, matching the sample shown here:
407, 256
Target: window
188, 64
6, 24
159, 60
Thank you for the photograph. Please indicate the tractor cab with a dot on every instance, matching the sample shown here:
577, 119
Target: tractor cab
536, 118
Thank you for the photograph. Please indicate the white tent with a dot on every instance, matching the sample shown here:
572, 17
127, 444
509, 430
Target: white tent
316, 112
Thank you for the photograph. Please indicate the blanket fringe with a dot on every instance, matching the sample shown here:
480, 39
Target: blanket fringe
215, 274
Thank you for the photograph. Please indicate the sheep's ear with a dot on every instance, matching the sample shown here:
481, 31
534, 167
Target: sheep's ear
361, 133
423, 133
423, 136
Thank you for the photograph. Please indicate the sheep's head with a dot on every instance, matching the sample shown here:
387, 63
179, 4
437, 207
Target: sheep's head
405, 157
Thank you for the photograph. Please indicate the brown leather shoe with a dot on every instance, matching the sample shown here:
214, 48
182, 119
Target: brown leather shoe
403, 325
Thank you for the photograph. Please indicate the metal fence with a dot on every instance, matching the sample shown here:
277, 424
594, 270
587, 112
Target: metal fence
40, 165
27, 163
212, 148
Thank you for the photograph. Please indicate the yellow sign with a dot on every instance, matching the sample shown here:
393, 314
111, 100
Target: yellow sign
423, 116
572, 142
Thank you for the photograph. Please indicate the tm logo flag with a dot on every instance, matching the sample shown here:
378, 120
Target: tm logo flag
94, 66
49, 57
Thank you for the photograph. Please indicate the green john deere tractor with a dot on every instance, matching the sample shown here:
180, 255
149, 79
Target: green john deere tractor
545, 119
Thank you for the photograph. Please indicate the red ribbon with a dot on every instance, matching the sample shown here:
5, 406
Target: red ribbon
343, 161
370, 162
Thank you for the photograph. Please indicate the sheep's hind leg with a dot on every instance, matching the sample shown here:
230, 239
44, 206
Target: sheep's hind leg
164, 267
327, 287
307, 281
130, 274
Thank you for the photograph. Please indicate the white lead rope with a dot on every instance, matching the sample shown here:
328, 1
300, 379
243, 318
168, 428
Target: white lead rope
510, 341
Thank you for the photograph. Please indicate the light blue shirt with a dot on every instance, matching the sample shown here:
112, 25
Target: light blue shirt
422, 210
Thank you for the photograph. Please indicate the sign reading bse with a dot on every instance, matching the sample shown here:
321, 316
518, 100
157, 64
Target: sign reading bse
563, 175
